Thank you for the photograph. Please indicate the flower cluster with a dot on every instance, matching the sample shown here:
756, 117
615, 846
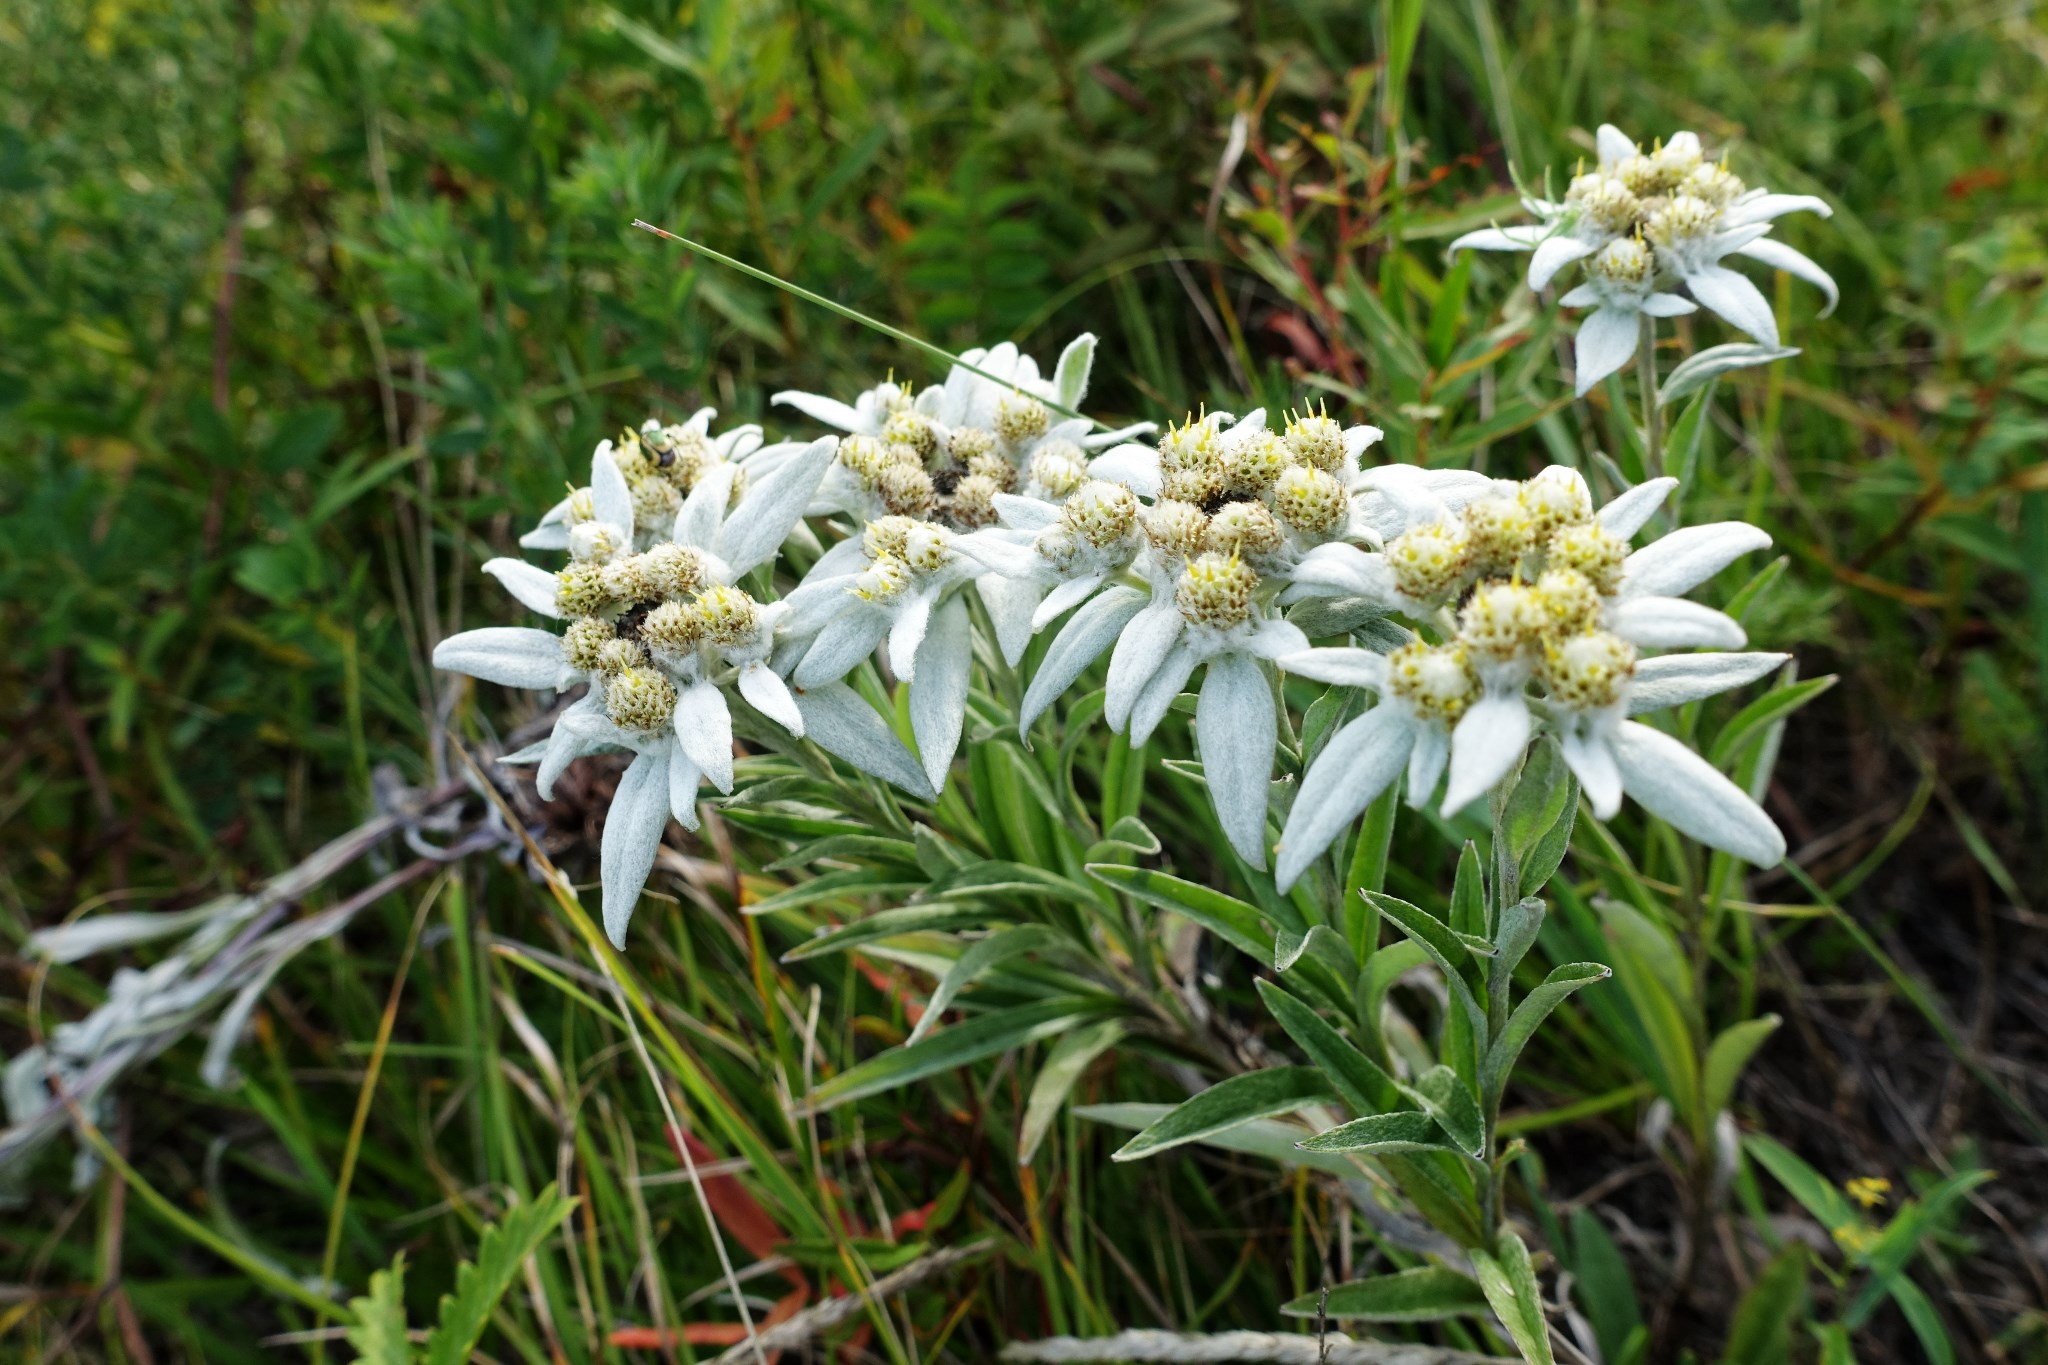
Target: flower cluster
1644, 224
1535, 608
1222, 545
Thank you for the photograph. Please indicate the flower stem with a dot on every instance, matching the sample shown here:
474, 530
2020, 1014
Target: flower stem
1646, 384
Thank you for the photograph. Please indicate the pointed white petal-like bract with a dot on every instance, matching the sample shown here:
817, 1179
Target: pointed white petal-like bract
1735, 299
767, 693
1486, 744
774, 503
514, 656
1139, 651
1070, 376
1674, 623
703, 512
547, 536
1762, 208
1167, 683
1360, 761
938, 698
1065, 598
1020, 513
1522, 237
1613, 145
1781, 257
1554, 254
1675, 679
1236, 730
1134, 466
830, 411
704, 730
1346, 667
1010, 603
1607, 341
1631, 511
683, 778
840, 722
1679, 787
632, 832
1079, 643
1426, 764
1679, 562
1590, 756
609, 496
846, 639
906, 633
582, 729
534, 587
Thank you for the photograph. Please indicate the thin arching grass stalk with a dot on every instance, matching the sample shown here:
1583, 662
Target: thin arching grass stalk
852, 315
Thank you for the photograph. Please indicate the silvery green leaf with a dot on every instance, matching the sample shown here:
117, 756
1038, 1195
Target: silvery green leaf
1080, 642
1070, 377
632, 832
514, 656
772, 507
1698, 370
938, 695
1236, 729
845, 726
1361, 760
70, 942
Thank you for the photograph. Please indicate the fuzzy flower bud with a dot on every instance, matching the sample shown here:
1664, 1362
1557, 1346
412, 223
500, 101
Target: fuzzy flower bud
1190, 445
1625, 260
886, 536
1437, 680
1501, 531
1059, 468
882, 580
595, 542
616, 656
1642, 176
1570, 602
1607, 201
580, 590
911, 429
1317, 440
974, 502
925, 549
1176, 528
682, 454
1429, 560
1593, 551
581, 643
1310, 499
993, 467
1021, 419
866, 458
1588, 672
672, 570
1500, 618
1683, 218
1257, 462
1714, 184
655, 501
1216, 590
626, 579
1243, 528
640, 699
1556, 497
582, 507
906, 490
967, 444
672, 629
728, 614
1100, 513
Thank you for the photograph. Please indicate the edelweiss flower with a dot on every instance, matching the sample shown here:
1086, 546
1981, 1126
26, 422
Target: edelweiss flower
660, 465
1647, 222
658, 634
946, 453
1541, 590
897, 582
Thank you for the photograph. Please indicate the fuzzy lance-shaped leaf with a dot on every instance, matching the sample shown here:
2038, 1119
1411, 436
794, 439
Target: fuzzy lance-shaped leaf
1268, 1139
378, 1333
1530, 1014
979, 957
1750, 723
994, 876
1468, 897
971, 1040
1226, 1104
1435, 938
1815, 1192
479, 1284
1427, 1293
1509, 1281
1539, 815
1063, 1067
1703, 367
1604, 1287
866, 848
1359, 1080
1404, 1131
909, 919
853, 883
1514, 936
1727, 1056
1445, 1097
1230, 919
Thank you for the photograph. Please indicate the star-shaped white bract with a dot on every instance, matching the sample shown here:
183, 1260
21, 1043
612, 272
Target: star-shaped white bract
1647, 225
1542, 591
659, 633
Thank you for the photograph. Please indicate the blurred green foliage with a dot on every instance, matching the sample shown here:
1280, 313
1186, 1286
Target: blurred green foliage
306, 305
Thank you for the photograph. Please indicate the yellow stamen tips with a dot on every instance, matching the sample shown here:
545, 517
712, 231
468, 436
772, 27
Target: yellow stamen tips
1430, 561
582, 507
583, 641
1437, 680
1176, 528
1243, 528
1556, 497
1500, 618
1101, 513
1588, 672
1059, 468
1021, 419
1592, 550
1257, 462
913, 430
728, 614
673, 571
581, 590
973, 504
616, 656
1216, 590
673, 628
640, 699
1868, 1190
969, 444
1316, 440
882, 580
1310, 500
1501, 532
1569, 600
925, 549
